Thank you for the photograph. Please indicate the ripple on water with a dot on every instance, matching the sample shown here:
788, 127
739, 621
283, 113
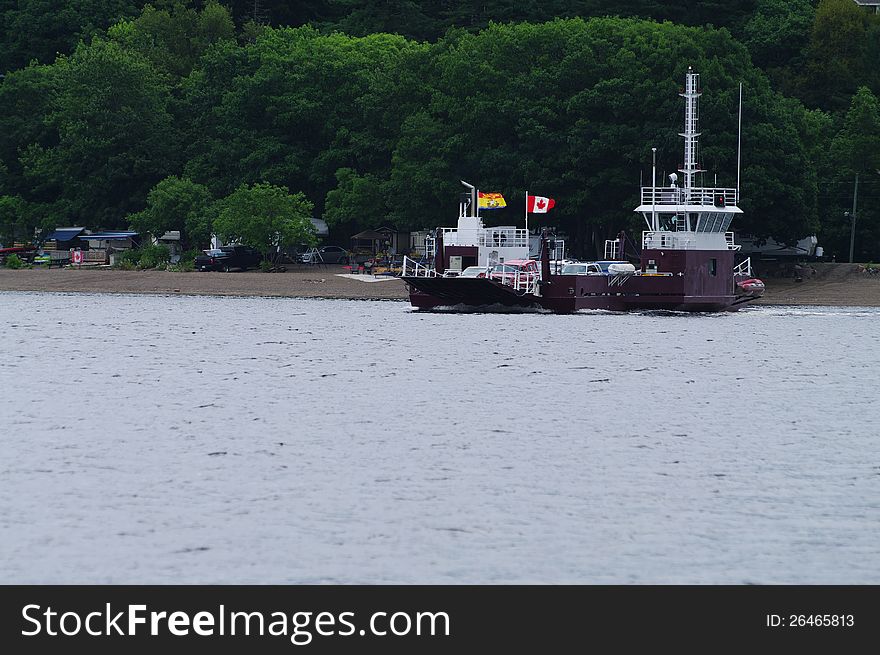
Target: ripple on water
259, 440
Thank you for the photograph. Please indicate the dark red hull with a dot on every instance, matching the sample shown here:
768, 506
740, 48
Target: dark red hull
691, 281
433, 292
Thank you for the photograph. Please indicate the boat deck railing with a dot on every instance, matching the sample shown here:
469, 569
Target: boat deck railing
522, 281
661, 239
744, 268
490, 237
702, 196
412, 268
504, 237
612, 246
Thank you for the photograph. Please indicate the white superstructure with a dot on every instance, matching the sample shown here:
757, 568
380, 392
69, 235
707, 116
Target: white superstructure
496, 245
688, 217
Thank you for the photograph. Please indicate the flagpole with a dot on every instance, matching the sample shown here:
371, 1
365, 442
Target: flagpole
654, 189
739, 130
527, 213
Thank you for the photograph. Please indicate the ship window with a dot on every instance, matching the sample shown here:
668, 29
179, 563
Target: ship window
713, 222
713, 267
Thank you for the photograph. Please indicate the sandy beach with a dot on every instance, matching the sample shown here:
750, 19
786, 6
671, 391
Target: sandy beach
301, 282
830, 284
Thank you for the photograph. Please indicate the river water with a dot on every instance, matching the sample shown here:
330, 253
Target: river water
154, 439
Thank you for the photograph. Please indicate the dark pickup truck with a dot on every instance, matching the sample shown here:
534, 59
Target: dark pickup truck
227, 258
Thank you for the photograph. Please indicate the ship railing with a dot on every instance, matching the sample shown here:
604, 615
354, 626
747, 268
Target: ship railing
522, 281
504, 238
611, 249
731, 244
413, 268
744, 268
450, 236
661, 239
702, 196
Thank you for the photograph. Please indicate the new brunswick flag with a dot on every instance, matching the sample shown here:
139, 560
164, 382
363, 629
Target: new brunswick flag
490, 201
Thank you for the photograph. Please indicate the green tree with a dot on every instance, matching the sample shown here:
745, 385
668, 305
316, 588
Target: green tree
430, 20
405, 17
265, 217
13, 222
177, 204
357, 202
776, 34
855, 150
41, 29
295, 107
114, 136
836, 54
174, 38
26, 98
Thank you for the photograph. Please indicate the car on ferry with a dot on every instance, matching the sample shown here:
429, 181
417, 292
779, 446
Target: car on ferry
598, 268
582, 268
516, 272
474, 271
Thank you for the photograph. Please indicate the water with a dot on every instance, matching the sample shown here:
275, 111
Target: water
150, 439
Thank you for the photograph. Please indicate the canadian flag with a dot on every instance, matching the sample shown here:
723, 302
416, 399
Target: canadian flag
539, 205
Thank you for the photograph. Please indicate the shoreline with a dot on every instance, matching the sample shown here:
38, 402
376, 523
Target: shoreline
312, 282
832, 285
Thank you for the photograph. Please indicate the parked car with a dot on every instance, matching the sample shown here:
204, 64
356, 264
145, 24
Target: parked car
598, 268
516, 272
228, 258
473, 271
325, 255
583, 268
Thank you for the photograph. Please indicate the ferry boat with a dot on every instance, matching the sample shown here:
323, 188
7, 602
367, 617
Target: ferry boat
687, 260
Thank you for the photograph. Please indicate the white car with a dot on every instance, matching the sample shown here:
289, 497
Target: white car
582, 269
473, 271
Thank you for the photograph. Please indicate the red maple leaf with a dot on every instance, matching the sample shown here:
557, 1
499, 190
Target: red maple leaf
540, 203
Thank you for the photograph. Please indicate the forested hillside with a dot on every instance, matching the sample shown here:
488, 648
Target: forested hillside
115, 113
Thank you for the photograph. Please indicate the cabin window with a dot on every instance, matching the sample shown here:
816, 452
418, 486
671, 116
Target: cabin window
713, 267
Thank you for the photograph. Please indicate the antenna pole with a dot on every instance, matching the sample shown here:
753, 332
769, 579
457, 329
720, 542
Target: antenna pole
690, 134
473, 197
739, 141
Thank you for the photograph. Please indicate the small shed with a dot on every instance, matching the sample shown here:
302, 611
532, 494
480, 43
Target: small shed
371, 240
102, 245
65, 238
171, 240
395, 243
112, 240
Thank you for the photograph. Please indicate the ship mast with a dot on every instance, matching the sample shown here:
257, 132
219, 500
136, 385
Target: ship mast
690, 134
691, 217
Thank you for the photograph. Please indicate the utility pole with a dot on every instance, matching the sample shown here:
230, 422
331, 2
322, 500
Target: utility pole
852, 231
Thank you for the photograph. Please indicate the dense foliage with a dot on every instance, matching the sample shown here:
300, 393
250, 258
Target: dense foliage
164, 116
265, 217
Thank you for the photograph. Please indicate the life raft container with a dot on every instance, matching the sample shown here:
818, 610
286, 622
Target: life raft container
752, 286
